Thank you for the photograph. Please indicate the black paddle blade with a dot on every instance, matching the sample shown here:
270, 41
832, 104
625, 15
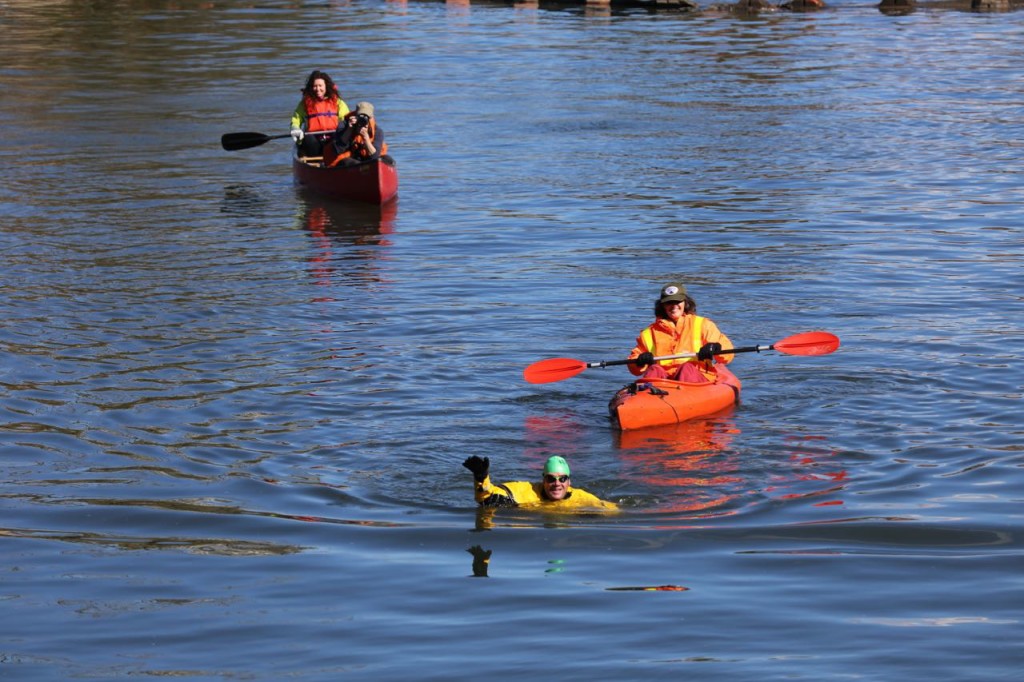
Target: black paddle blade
235, 141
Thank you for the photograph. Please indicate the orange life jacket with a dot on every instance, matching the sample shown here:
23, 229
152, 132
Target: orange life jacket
321, 114
647, 335
359, 145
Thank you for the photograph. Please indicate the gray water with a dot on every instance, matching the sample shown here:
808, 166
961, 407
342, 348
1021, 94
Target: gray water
232, 415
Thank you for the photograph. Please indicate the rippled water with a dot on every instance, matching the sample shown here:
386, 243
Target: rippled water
232, 415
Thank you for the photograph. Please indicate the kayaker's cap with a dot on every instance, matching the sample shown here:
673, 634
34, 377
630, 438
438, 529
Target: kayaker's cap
365, 108
556, 465
671, 293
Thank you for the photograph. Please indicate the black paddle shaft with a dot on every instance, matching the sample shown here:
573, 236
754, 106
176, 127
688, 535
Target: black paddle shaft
747, 349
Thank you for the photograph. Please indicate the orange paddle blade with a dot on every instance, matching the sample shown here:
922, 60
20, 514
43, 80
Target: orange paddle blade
553, 369
808, 343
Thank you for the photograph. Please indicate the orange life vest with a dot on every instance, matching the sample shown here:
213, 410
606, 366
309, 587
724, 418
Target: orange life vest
695, 343
321, 114
359, 145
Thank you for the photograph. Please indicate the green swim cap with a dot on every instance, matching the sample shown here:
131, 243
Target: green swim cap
556, 465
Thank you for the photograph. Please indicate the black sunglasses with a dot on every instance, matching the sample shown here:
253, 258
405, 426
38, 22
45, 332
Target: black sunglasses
551, 478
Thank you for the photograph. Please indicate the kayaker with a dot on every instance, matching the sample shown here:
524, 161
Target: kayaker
358, 140
678, 329
319, 111
554, 491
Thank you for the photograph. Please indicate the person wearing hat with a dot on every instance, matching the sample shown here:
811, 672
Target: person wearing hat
678, 329
554, 491
358, 140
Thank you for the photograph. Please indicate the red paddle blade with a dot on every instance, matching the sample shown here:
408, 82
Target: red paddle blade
808, 343
553, 369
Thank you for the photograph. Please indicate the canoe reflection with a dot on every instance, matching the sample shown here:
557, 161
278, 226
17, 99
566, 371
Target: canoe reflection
348, 239
344, 220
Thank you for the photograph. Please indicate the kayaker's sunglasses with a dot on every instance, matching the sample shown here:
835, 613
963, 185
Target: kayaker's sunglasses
551, 478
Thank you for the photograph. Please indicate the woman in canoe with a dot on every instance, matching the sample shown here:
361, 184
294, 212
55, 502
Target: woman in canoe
319, 111
678, 329
555, 491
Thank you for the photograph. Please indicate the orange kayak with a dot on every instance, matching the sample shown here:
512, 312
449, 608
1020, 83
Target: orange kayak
657, 402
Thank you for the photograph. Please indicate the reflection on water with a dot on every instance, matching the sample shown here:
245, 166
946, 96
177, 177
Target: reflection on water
245, 201
481, 564
348, 238
481, 560
348, 222
553, 434
816, 473
219, 546
695, 467
690, 465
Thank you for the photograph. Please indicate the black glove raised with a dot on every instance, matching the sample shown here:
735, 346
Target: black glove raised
645, 359
479, 466
708, 351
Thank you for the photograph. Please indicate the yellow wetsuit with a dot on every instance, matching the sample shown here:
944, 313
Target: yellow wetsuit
526, 494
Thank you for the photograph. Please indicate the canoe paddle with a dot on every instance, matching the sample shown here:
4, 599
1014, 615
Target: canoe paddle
235, 141
557, 369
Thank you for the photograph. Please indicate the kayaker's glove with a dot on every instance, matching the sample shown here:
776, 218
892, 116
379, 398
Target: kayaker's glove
297, 135
708, 350
479, 466
645, 359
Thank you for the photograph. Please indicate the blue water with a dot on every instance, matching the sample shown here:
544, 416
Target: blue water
232, 415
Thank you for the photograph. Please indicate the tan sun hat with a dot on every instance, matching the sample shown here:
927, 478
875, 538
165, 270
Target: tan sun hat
365, 108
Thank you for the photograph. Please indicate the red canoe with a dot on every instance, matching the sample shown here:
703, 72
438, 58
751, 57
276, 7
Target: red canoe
372, 182
662, 401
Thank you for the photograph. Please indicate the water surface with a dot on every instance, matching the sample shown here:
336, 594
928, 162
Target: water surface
232, 415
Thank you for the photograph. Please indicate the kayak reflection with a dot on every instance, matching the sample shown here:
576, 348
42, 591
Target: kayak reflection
695, 467
691, 462
702, 468
815, 474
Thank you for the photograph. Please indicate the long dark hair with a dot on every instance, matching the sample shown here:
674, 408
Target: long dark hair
332, 89
689, 307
